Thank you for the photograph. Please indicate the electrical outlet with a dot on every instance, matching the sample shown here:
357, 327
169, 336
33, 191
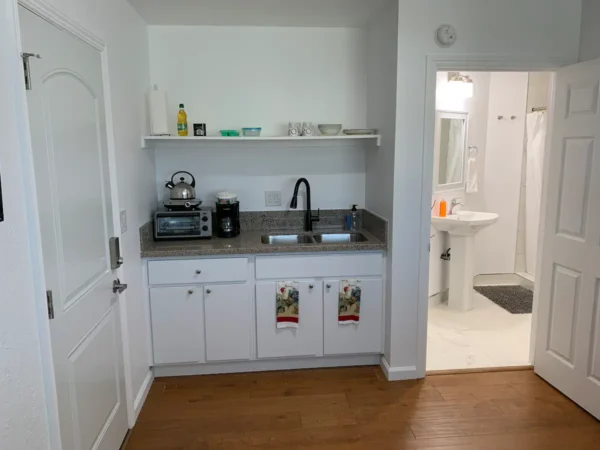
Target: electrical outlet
123, 218
272, 198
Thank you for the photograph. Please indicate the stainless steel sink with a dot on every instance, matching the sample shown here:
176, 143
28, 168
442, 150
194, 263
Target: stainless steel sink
286, 239
340, 238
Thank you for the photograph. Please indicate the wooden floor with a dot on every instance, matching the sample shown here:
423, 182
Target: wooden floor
356, 408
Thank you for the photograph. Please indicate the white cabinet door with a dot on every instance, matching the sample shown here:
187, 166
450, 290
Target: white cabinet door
307, 339
364, 337
228, 319
177, 324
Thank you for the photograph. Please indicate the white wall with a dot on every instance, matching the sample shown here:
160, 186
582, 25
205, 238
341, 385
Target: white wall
497, 244
590, 31
125, 35
336, 174
477, 107
234, 77
382, 51
529, 30
23, 413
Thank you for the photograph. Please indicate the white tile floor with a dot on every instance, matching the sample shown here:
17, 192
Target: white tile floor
486, 336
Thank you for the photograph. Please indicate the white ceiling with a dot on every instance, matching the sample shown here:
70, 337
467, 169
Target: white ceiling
300, 13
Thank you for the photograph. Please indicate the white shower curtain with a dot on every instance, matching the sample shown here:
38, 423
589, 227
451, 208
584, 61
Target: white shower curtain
456, 140
536, 146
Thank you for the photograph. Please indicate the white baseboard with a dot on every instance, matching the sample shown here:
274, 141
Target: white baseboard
266, 365
398, 373
502, 279
527, 281
497, 279
140, 398
439, 298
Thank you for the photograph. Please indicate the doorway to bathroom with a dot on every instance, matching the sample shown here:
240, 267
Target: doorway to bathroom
489, 146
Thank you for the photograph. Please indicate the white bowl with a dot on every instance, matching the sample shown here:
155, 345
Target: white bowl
329, 129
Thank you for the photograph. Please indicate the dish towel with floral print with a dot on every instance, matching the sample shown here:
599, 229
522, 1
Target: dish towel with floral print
349, 302
287, 300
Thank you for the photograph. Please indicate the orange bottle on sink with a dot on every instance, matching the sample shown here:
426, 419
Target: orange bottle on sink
443, 208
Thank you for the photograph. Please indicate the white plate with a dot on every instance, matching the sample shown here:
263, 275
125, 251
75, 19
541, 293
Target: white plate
359, 132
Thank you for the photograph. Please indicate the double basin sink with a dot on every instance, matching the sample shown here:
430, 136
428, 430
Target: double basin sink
317, 238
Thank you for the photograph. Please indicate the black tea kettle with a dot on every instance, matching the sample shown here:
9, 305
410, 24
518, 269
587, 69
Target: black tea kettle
182, 190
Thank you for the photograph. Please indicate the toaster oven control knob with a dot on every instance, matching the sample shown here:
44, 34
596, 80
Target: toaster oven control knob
204, 218
204, 228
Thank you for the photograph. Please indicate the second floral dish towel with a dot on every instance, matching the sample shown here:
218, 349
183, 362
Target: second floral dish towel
287, 300
349, 302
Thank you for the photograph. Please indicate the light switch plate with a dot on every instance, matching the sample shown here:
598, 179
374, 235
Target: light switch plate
272, 198
123, 218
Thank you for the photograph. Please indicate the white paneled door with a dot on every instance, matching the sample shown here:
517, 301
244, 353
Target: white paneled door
68, 133
568, 336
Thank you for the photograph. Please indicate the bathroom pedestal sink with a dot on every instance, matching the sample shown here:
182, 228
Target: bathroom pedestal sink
462, 228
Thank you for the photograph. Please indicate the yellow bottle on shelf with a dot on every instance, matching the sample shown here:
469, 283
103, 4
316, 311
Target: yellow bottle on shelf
182, 126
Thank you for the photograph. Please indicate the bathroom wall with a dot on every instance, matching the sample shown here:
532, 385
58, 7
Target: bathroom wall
496, 245
477, 107
234, 77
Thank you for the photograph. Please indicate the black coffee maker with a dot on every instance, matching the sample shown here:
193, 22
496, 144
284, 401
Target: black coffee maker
228, 220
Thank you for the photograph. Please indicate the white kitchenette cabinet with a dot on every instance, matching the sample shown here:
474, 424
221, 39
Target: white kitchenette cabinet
216, 315
307, 339
350, 339
228, 321
177, 316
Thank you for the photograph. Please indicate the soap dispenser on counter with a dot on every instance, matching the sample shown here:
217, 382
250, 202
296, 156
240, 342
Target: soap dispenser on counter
352, 219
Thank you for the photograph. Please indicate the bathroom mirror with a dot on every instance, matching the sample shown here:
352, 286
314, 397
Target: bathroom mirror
450, 149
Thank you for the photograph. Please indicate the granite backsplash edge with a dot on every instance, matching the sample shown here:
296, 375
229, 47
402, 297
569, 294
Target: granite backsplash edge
277, 221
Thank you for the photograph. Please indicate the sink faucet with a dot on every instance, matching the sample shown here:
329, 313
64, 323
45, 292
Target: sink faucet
455, 202
309, 218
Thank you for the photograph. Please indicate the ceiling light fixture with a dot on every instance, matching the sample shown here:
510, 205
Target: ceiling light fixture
461, 84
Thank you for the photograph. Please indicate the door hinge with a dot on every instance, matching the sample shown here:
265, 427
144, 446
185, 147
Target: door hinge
26, 69
50, 302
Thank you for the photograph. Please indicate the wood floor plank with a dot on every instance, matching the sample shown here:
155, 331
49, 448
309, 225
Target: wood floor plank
356, 408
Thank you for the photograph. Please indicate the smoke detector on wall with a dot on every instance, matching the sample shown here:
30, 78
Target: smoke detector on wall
446, 35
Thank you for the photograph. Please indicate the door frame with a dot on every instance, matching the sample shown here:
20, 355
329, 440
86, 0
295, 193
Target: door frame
54, 16
480, 63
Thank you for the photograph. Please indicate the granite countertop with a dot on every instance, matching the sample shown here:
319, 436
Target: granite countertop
249, 241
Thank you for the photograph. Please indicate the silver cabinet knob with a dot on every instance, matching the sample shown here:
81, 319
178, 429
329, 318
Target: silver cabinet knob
198, 271
191, 291
208, 291
328, 286
311, 286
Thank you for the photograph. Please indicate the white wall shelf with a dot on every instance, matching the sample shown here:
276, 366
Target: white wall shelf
155, 141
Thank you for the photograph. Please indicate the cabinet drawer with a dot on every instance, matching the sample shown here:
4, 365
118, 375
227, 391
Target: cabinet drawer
194, 271
301, 266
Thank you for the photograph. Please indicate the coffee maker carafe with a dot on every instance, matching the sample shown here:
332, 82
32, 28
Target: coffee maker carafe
228, 215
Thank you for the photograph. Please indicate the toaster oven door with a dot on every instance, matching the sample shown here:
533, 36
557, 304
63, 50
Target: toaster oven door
177, 226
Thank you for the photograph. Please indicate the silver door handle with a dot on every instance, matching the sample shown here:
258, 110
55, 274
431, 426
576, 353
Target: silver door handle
119, 287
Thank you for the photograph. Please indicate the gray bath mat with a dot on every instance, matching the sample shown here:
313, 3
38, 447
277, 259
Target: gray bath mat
514, 299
